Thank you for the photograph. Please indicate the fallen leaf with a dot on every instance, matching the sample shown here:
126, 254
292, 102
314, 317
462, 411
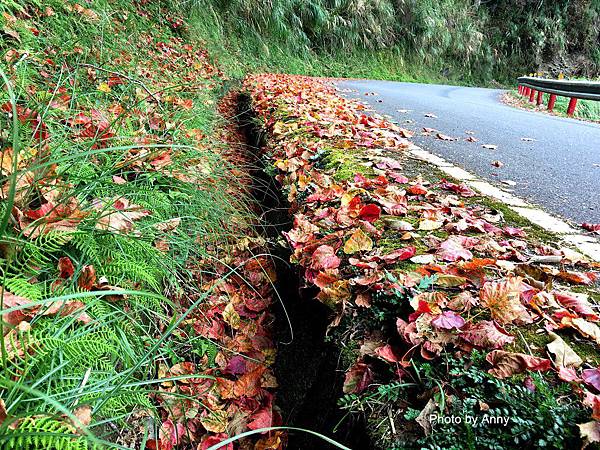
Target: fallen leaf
370, 213
564, 355
424, 416
324, 258
506, 364
357, 242
503, 299
444, 137
358, 378
429, 225
486, 334
448, 320
452, 250
65, 267
589, 432
594, 227
104, 87
84, 415
3, 414
591, 377
387, 353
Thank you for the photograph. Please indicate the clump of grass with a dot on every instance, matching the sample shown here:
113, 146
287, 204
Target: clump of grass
149, 143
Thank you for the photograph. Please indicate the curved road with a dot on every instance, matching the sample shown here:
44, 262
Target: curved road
558, 169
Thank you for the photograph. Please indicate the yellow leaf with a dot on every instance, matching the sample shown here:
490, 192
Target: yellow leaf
231, 316
359, 241
216, 421
104, 87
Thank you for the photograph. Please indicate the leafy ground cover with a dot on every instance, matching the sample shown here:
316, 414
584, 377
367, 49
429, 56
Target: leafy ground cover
134, 287
456, 327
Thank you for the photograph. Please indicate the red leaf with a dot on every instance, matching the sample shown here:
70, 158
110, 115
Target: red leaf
263, 418
568, 374
578, 304
209, 441
417, 189
399, 255
324, 258
514, 232
357, 378
42, 211
591, 226
387, 353
461, 188
87, 278
65, 267
486, 334
370, 213
452, 250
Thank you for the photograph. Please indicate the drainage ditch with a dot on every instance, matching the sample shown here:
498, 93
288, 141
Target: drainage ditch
307, 364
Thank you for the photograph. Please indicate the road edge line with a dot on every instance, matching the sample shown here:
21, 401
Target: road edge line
585, 244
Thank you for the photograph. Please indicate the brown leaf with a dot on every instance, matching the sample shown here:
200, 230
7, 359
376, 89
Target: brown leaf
83, 415
120, 216
87, 278
503, 299
10, 301
506, 364
3, 414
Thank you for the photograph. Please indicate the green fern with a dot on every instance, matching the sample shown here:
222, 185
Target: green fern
22, 287
43, 433
36, 255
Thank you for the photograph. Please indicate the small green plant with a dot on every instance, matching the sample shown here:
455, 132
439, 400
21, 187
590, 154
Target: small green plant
485, 412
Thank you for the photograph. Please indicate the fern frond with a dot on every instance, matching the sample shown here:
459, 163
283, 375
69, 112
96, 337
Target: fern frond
42, 433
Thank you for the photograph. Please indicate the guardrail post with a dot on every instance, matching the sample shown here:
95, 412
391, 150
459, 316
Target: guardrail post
551, 102
572, 106
540, 98
531, 95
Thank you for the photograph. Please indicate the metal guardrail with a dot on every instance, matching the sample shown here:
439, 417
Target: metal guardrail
574, 89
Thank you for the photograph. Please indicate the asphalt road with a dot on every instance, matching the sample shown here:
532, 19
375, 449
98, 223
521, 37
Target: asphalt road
556, 166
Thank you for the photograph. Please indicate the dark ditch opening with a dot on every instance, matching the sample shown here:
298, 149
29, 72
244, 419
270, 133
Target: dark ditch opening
306, 365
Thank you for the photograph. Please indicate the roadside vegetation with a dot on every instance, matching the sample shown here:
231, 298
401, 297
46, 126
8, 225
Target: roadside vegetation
585, 110
457, 41
126, 238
